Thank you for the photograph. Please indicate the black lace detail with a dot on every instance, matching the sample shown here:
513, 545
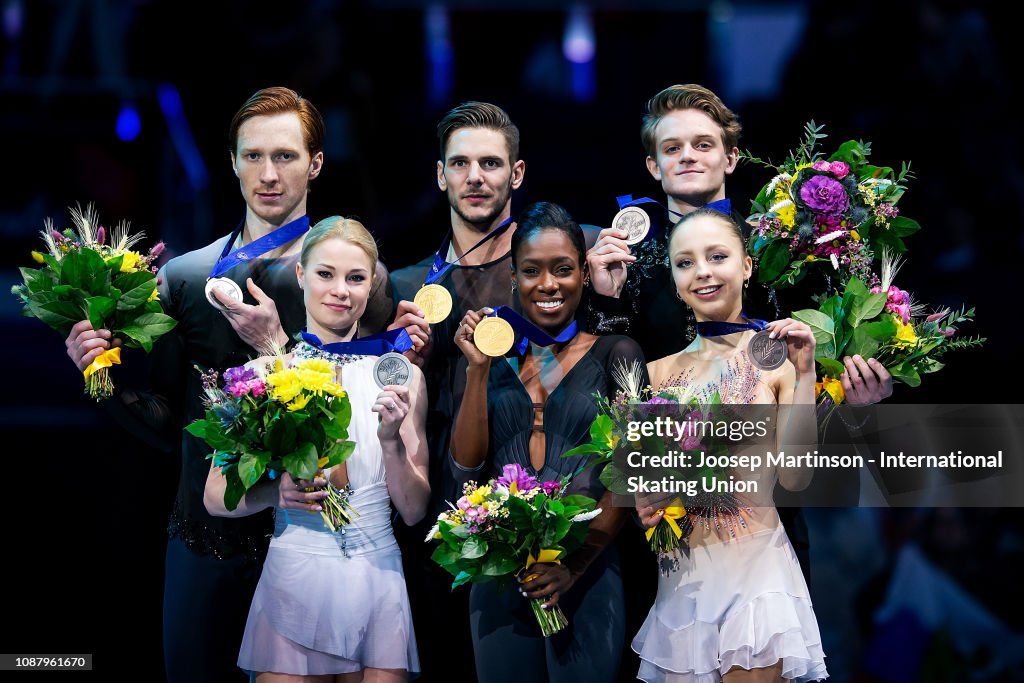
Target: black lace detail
651, 263
204, 540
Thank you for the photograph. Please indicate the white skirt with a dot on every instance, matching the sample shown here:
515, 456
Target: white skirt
740, 603
331, 603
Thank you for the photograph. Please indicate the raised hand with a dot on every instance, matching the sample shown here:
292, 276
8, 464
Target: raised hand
608, 260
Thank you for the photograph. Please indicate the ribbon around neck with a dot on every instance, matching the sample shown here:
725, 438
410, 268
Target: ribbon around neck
269, 242
719, 205
442, 266
714, 328
374, 345
528, 331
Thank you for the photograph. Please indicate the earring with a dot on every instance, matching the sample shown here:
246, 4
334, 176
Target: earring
513, 286
678, 295
746, 283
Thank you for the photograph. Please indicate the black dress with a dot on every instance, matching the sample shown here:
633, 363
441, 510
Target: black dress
590, 648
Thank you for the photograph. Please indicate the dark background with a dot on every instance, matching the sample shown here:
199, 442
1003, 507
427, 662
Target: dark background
928, 82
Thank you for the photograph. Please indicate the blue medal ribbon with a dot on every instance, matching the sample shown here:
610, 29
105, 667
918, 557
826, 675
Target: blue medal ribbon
374, 345
713, 328
529, 332
269, 242
442, 266
720, 205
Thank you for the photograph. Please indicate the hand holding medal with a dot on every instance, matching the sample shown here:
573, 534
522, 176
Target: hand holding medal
786, 337
482, 336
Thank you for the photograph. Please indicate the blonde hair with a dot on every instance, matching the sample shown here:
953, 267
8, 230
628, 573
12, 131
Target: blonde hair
347, 229
689, 96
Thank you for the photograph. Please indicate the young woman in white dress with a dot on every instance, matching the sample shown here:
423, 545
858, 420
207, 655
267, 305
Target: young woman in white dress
736, 608
332, 606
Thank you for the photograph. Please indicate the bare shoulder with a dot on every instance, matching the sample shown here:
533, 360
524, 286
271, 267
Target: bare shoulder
670, 366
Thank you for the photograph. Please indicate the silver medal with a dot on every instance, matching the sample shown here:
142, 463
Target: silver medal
766, 353
392, 368
634, 221
224, 286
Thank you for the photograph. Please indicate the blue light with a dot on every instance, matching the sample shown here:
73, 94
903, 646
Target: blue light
129, 125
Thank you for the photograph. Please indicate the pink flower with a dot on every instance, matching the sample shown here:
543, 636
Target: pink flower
840, 169
551, 488
949, 331
821, 165
690, 443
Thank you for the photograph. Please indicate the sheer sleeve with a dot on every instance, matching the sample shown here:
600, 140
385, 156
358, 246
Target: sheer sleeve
607, 315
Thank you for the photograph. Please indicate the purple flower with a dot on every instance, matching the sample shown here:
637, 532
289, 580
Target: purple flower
823, 194
515, 475
239, 374
158, 249
101, 235
551, 488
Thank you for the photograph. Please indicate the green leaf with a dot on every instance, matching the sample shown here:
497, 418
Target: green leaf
865, 308
832, 307
149, 326
445, 555
234, 490
585, 502
558, 527
823, 328
99, 308
852, 152
136, 289
499, 563
251, 467
473, 548
301, 462
338, 452
902, 226
60, 315
463, 577
869, 336
197, 428
774, 261
832, 368
905, 372
37, 279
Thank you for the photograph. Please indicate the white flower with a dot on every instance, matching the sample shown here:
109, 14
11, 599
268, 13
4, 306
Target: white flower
828, 237
430, 534
778, 206
835, 261
629, 378
776, 180
586, 516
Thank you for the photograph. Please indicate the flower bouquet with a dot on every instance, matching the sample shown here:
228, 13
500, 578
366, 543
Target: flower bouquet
292, 419
833, 213
500, 529
885, 323
83, 276
622, 426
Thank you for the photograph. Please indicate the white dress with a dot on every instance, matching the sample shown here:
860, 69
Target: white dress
737, 597
336, 602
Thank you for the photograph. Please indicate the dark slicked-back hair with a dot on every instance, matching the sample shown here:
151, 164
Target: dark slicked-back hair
479, 115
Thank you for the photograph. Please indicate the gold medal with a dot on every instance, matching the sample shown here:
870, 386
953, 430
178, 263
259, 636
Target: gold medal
435, 301
494, 336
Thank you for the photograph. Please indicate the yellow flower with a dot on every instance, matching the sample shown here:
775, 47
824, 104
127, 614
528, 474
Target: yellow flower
37, 257
155, 296
786, 212
299, 402
905, 338
477, 497
855, 235
130, 261
832, 387
811, 257
284, 385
